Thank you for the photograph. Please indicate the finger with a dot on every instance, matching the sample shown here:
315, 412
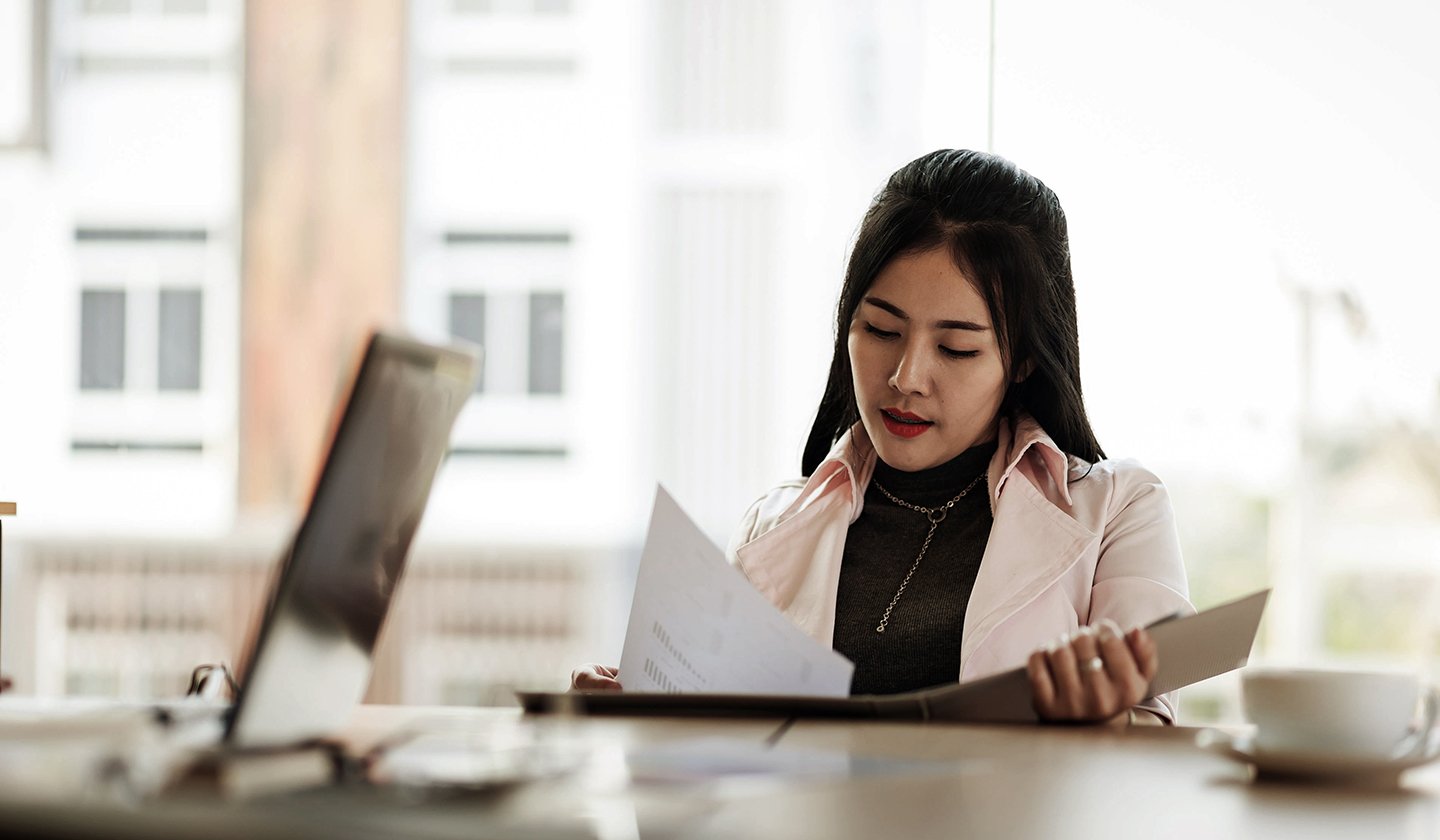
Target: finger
1069, 693
1101, 696
1042, 687
591, 677
595, 682
1120, 662
1147, 654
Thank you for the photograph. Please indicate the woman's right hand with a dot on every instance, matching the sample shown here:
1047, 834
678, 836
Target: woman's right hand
592, 677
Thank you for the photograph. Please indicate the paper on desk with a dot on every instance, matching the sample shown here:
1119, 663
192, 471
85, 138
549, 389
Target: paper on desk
697, 624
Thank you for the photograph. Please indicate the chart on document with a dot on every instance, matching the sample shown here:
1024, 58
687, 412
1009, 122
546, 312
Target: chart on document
696, 624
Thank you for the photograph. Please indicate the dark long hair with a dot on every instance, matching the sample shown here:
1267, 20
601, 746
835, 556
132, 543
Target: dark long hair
1006, 232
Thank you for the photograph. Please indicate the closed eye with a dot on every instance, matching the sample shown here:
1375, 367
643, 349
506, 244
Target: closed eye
959, 354
883, 335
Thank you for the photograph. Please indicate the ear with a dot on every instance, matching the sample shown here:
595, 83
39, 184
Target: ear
1026, 368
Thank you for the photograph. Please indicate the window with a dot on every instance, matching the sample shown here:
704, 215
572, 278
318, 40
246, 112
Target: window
172, 321
144, 7
492, 261
178, 358
143, 332
149, 39
140, 309
511, 7
185, 7
505, 291
467, 321
105, 7
525, 349
547, 342
102, 340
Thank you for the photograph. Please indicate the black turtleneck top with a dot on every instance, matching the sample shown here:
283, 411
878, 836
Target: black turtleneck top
921, 643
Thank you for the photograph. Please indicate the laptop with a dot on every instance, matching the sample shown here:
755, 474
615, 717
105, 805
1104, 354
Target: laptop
310, 661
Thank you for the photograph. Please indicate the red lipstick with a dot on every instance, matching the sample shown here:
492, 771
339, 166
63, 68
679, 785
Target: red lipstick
903, 423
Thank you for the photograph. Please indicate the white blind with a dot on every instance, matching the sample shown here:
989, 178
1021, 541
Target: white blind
716, 277
719, 67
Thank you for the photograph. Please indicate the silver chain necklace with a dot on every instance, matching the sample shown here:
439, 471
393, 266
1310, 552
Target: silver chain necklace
936, 515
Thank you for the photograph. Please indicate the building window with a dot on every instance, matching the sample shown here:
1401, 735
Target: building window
158, 40
506, 291
142, 309
467, 322
186, 7
547, 342
127, 7
105, 7
178, 359
512, 7
523, 334
102, 340
110, 320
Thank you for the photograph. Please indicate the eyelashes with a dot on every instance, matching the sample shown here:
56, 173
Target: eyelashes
888, 335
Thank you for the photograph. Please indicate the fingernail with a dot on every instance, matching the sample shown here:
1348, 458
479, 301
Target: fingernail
1108, 630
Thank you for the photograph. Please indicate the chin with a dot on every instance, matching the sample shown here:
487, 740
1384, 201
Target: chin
901, 459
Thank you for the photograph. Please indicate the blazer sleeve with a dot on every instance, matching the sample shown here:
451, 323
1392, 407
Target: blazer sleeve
762, 515
1140, 575
745, 531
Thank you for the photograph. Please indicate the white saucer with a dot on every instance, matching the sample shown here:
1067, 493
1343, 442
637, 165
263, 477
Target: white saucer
1334, 768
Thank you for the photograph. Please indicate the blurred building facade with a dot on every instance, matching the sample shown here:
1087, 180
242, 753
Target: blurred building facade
639, 208
227, 195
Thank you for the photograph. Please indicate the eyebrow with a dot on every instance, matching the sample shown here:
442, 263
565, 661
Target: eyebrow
944, 325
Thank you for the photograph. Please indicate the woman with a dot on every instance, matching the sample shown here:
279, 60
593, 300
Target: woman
955, 497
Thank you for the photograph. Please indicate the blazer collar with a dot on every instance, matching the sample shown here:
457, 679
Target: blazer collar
1018, 439
851, 463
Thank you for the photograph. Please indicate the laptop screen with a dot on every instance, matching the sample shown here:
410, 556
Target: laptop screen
310, 662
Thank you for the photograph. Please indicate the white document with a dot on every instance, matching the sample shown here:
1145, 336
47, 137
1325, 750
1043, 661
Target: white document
697, 624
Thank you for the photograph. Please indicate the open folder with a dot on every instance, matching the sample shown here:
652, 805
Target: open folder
1191, 648
703, 641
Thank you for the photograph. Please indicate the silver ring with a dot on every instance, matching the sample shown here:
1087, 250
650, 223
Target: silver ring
1094, 664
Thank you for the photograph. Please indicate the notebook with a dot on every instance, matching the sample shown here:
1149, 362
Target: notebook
1191, 648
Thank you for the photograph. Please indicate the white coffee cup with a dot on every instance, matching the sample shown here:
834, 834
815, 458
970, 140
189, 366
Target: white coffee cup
1366, 714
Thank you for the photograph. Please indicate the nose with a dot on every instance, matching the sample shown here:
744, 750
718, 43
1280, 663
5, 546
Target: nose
912, 374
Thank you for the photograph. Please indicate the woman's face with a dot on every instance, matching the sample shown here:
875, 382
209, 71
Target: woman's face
928, 374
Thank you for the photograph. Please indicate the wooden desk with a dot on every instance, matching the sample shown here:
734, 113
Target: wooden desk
952, 782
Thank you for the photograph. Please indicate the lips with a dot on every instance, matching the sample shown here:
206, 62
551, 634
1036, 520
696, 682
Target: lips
904, 424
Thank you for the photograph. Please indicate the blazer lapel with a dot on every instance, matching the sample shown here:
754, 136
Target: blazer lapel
796, 565
1032, 544
796, 562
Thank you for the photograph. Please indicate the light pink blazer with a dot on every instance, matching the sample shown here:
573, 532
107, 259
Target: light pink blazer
1071, 544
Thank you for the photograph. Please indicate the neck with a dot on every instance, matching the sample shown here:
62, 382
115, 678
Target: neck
939, 483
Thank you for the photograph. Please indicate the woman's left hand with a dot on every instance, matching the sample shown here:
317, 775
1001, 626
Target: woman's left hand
1092, 675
